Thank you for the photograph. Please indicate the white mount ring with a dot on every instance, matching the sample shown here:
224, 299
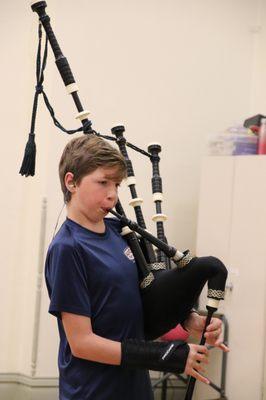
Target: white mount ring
82, 115
136, 202
159, 218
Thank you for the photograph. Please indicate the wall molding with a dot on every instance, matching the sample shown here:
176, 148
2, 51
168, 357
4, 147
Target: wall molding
24, 387
27, 380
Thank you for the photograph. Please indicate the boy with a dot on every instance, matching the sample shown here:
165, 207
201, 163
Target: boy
92, 282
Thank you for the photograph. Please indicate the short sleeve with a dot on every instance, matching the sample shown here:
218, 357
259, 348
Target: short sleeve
67, 282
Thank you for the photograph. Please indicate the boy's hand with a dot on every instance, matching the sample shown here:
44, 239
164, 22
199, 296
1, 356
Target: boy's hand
197, 355
195, 325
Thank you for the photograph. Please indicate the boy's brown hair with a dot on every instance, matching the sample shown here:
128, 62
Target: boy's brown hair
83, 155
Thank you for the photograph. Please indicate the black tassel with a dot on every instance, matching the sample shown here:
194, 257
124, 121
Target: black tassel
28, 164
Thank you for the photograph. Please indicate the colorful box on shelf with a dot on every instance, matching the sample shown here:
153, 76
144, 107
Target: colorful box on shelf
233, 142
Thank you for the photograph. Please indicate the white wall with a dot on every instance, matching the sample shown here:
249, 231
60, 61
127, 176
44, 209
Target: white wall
170, 71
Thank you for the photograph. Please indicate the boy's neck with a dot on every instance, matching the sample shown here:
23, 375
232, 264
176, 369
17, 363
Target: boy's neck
97, 227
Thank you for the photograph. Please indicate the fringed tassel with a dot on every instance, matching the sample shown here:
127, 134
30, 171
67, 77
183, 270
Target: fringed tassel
28, 164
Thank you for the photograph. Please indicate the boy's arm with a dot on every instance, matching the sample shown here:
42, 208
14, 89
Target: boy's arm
171, 356
85, 344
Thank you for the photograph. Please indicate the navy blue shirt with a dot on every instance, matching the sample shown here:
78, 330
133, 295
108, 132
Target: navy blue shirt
95, 275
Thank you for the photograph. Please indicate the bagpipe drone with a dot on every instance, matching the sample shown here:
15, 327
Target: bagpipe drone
168, 293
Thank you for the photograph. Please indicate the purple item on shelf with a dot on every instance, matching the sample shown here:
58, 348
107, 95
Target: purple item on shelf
244, 146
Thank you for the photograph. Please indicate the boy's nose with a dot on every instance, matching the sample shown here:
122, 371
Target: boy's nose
112, 194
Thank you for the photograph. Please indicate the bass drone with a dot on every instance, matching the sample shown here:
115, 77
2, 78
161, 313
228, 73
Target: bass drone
168, 293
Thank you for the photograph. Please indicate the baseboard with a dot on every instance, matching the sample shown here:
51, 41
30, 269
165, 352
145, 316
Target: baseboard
23, 387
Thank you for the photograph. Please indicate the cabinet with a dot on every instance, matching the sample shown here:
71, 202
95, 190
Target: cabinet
232, 226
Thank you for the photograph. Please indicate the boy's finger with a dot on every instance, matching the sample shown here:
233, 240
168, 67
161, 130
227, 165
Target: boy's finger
202, 358
214, 324
214, 327
203, 350
199, 368
213, 334
223, 347
199, 377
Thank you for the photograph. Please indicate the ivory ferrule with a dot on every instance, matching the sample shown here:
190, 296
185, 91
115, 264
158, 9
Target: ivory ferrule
125, 231
158, 196
213, 303
136, 202
159, 218
82, 115
178, 256
185, 260
73, 87
131, 180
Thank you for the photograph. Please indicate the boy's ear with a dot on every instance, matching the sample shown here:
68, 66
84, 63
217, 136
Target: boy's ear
69, 180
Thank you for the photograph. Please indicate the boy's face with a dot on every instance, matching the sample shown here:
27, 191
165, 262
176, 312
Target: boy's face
96, 193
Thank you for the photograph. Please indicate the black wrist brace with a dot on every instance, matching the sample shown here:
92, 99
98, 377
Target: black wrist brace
157, 356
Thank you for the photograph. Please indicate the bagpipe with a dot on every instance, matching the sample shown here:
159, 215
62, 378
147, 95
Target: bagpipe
170, 280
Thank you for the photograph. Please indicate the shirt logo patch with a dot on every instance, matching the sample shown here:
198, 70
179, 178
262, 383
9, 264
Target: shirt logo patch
128, 253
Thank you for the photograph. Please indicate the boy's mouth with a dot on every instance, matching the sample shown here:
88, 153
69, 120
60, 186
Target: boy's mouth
105, 209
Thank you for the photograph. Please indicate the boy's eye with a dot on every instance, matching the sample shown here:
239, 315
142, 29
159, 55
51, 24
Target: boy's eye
103, 182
